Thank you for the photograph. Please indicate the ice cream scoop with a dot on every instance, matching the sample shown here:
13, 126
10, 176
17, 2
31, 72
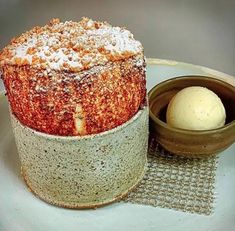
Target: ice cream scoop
196, 108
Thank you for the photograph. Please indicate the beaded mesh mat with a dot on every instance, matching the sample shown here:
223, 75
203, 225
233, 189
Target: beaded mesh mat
177, 182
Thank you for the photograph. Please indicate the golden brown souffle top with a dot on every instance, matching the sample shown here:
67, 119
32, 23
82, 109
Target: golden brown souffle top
74, 78
71, 46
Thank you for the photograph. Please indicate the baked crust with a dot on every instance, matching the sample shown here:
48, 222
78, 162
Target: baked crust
67, 100
95, 101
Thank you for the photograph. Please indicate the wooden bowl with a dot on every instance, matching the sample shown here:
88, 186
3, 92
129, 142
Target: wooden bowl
191, 143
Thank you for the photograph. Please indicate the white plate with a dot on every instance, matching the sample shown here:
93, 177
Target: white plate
20, 210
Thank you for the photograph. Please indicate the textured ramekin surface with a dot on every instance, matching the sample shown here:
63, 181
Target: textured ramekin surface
87, 171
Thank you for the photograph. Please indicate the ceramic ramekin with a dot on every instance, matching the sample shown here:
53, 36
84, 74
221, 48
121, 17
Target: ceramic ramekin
86, 171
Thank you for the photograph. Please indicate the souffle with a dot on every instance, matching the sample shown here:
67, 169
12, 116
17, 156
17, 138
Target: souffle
74, 78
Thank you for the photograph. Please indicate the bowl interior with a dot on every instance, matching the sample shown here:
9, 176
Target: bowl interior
161, 94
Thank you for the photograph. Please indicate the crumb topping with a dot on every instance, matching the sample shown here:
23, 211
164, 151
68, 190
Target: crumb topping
71, 46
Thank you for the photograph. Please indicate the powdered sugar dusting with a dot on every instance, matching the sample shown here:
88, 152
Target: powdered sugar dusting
71, 46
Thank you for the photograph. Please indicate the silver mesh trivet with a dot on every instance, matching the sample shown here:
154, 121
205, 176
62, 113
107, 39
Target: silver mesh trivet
177, 182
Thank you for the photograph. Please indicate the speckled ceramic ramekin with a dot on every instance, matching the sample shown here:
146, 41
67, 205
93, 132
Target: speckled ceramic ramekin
84, 172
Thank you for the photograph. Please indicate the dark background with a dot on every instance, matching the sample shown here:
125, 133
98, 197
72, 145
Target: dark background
195, 31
